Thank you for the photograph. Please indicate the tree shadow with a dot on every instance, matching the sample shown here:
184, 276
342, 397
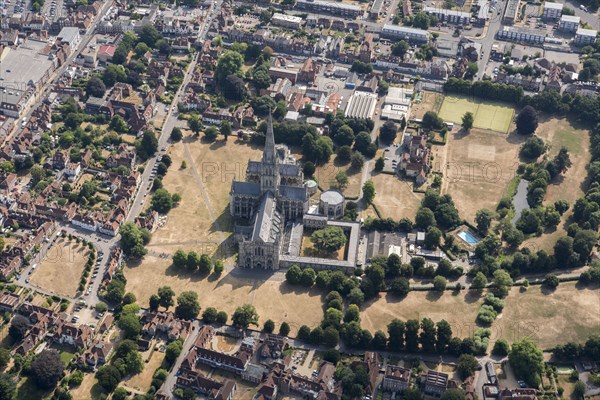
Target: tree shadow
546, 291
217, 144
434, 295
473, 296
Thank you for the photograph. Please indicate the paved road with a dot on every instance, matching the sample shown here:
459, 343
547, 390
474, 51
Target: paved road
169, 383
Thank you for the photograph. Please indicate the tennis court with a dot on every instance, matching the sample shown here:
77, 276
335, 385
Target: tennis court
490, 115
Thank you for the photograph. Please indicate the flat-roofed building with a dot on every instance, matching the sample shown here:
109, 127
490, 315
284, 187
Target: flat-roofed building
569, 23
361, 105
287, 21
449, 16
330, 7
510, 12
376, 9
406, 33
512, 34
552, 10
69, 35
24, 71
583, 37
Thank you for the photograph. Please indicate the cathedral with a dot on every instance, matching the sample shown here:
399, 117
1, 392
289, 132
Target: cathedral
272, 194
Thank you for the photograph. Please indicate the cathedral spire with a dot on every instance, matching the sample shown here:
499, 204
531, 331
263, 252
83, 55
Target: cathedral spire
269, 151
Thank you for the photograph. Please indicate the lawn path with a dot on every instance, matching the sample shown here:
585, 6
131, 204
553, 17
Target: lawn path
198, 179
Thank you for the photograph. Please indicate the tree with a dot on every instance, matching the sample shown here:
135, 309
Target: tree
344, 136
205, 264
479, 281
527, 121
293, 275
400, 287
308, 168
388, 132
379, 164
108, 377
444, 335
527, 360
209, 315
219, 267
173, 350
4, 358
467, 365
269, 326
579, 390
148, 146
433, 236
304, 333
368, 191
8, 387
329, 239
130, 325
162, 201
225, 128
532, 148
149, 35
432, 121
165, 295
117, 124
47, 368
188, 306
357, 161
424, 218
400, 48
284, 329
352, 313
154, 302
341, 180
195, 124
551, 281
356, 296
412, 336
501, 348
244, 316
176, 134
396, 330
439, 283
120, 393
467, 121
19, 326
308, 276
229, 63
95, 87
211, 133
484, 218
453, 394
222, 317
502, 281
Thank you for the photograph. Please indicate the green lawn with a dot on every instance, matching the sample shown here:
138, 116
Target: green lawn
66, 357
571, 139
495, 116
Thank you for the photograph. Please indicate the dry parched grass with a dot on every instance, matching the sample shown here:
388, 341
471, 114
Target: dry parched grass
61, 268
550, 317
479, 166
459, 310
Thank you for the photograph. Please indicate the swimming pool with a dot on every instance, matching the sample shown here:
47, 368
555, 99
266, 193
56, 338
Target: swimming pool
467, 237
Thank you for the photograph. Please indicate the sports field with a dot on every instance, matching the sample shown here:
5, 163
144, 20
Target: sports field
494, 116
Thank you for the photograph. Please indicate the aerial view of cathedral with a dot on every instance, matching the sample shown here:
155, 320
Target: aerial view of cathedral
275, 198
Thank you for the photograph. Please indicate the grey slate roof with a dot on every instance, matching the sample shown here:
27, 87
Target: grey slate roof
292, 192
267, 225
289, 169
248, 188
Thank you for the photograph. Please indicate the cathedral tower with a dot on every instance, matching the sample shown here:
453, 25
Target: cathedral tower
269, 174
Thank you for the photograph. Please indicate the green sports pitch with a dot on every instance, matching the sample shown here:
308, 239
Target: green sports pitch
494, 116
